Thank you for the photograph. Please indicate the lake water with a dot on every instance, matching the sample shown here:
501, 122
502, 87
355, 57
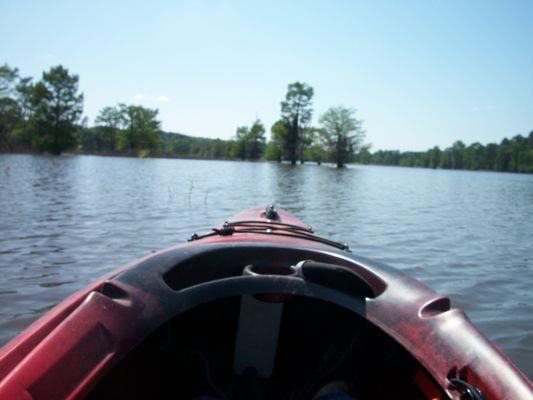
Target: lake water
67, 220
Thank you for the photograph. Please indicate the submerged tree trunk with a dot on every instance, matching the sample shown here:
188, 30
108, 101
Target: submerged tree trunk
293, 141
338, 156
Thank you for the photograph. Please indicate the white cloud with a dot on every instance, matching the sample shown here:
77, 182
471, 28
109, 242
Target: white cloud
139, 96
163, 99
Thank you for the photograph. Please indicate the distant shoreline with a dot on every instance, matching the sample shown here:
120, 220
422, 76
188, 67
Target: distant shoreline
132, 154
156, 154
162, 155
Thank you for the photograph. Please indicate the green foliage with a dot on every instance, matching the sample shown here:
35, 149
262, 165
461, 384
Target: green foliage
434, 157
255, 141
24, 94
309, 137
296, 112
342, 133
511, 155
10, 116
123, 129
57, 106
140, 128
8, 76
275, 148
91, 140
364, 156
110, 120
298, 103
10, 113
45, 116
316, 153
195, 147
249, 143
239, 144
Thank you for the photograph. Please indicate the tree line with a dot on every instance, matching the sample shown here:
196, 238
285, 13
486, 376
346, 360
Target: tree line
41, 115
46, 116
510, 155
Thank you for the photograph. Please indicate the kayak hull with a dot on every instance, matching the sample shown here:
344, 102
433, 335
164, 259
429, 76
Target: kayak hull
79, 341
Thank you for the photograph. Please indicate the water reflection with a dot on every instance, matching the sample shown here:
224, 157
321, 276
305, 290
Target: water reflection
288, 182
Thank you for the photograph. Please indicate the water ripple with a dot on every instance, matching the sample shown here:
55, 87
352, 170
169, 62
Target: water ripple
67, 220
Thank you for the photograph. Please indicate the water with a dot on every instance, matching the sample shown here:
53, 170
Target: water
67, 220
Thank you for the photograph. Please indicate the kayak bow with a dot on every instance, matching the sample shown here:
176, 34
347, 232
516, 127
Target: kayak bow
258, 308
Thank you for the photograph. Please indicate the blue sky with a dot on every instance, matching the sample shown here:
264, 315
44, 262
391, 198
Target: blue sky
419, 73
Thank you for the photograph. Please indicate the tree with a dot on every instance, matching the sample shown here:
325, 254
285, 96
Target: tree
278, 134
249, 143
110, 120
316, 153
364, 156
10, 113
434, 157
312, 146
491, 152
239, 146
475, 157
342, 133
10, 116
458, 149
511, 155
57, 106
255, 140
307, 136
24, 92
8, 76
446, 159
296, 111
141, 128
22, 134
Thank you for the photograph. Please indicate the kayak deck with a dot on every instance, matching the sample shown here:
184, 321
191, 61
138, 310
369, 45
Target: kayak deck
184, 305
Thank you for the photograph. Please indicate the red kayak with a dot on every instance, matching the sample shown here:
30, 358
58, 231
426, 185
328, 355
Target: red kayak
260, 308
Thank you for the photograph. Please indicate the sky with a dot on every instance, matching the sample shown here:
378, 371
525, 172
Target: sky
419, 73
